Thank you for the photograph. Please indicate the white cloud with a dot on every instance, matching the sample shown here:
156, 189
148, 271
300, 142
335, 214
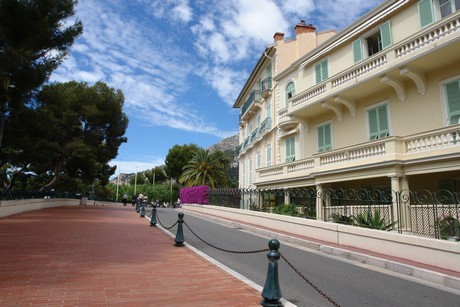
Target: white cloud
142, 52
130, 167
298, 7
183, 11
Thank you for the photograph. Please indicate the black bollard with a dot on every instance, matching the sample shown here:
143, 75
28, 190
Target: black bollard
142, 210
180, 233
272, 292
153, 217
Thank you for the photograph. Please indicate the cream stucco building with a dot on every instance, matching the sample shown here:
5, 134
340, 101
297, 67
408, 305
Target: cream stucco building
375, 105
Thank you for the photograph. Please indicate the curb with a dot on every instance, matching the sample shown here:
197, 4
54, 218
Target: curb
392, 266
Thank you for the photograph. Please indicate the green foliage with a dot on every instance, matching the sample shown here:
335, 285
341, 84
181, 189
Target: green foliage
206, 168
35, 36
71, 132
285, 209
163, 192
177, 158
342, 219
372, 220
448, 226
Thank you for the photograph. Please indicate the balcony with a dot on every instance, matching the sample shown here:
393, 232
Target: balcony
430, 147
265, 126
409, 60
266, 87
252, 104
286, 122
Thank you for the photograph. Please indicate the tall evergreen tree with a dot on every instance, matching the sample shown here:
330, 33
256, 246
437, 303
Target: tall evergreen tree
34, 39
73, 131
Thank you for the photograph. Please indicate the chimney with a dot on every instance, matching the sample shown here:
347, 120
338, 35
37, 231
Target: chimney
302, 27
278, 37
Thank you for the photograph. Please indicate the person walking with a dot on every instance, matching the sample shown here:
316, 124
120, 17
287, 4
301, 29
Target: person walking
124, 200
133, 200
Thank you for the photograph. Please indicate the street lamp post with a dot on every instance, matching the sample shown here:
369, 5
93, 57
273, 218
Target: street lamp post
135, 182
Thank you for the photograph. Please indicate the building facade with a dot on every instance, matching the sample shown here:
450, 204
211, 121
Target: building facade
376, 105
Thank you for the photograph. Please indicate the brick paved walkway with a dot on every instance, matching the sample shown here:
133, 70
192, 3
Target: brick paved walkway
106, 256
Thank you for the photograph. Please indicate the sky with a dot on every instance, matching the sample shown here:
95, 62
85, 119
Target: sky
181, 64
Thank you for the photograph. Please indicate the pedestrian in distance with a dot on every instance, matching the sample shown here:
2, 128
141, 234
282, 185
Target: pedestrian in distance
124, 200
133, 200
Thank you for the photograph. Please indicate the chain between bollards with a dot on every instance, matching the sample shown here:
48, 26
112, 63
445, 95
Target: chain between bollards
310, 283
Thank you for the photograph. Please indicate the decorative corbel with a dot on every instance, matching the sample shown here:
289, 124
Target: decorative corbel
349, 103
415, 75
396, 84
337, 110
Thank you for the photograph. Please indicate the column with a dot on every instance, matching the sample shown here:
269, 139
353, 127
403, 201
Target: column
319, 202
395, 188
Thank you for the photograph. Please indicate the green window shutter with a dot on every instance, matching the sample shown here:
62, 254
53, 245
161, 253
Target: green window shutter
290, 149
453, 101
320, 131
373, 124
385, 33
318, 73
425, 10
325, 70
327, 137
324, 138
290, 92
357, 50
383, 121
321, 71
378, 122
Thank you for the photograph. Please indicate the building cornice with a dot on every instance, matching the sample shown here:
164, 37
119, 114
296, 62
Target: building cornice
361, 25
253, 75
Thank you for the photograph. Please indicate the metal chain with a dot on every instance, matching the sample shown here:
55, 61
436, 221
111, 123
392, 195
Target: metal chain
310, 283
158, 218
226, 250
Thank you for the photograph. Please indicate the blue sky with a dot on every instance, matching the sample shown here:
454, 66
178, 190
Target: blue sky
182, 63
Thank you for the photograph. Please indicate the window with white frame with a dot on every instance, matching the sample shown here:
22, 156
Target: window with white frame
250, 171
290, 92
243, 174
290, 149
378, 122
374, 42
452, 97
258, 159
250, 132
322, 71
432, 10
324, 135
268, 155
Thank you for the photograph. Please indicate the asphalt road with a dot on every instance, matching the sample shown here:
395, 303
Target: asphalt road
345, 282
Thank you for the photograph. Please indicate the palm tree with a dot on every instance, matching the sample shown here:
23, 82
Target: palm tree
204, 169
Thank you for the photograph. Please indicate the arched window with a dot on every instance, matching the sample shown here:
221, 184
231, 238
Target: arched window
290, 92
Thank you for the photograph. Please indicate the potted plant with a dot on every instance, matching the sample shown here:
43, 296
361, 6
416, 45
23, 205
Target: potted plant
449, 228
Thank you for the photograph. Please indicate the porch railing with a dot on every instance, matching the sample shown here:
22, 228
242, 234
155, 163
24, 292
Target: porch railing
422, 213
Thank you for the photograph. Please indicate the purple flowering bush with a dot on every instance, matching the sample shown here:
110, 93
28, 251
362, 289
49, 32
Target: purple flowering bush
194, 195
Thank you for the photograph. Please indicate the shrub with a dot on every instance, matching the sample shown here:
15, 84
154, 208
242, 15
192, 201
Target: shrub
448, 226
194, 195
372, 220
285, 209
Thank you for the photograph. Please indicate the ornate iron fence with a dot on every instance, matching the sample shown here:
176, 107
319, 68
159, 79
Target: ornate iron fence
422, 213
